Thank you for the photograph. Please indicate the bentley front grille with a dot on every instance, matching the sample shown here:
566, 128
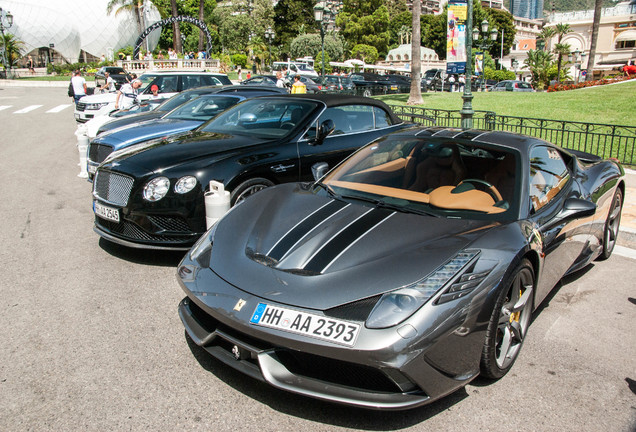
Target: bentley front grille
112, 188
98, 152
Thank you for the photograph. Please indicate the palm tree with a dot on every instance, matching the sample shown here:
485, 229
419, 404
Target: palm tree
202, 39
415, 96
134, 6
598, 5
12, 49
538, 62
546, 35
561, 30
561, 49
176, 40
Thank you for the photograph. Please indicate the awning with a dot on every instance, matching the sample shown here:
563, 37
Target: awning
627, 35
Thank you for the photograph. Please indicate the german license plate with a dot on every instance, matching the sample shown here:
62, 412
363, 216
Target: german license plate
303, 323
106, 212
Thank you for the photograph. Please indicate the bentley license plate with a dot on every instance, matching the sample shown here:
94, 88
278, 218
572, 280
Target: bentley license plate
303, 323
106, 212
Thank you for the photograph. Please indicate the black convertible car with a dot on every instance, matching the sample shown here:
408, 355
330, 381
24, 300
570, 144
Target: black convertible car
408, 270
151, 195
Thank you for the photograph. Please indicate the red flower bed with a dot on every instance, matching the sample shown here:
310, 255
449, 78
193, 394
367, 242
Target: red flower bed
563, 87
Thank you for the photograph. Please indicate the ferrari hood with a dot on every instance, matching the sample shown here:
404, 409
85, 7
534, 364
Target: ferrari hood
135, 133
288, 245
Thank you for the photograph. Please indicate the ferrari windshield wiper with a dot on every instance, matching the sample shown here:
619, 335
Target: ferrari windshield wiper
383, 204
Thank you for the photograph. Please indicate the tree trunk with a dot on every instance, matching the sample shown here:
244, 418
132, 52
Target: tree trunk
176, 40
589, 74
202, 39
415, 96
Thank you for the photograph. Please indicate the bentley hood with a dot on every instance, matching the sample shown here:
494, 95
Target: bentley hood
291, 246
135, 133
196, 149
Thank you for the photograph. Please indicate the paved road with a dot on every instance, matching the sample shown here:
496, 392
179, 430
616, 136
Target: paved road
90, 339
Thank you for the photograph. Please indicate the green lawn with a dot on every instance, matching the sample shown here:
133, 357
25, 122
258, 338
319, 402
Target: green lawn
608, 104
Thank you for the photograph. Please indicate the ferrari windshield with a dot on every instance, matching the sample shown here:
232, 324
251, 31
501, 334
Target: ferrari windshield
203, 108
263, 118
445, 177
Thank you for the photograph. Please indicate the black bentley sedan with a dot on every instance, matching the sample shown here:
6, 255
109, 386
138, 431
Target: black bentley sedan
151, 195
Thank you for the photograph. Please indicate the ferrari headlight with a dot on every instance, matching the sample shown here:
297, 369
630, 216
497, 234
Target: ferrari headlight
156, 189
396, 306
185, 184
202, 249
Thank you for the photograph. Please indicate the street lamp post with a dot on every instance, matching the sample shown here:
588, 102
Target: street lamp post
9, 22
467, 111
269, 36
324, 14
515, 66
579, 58
484, 40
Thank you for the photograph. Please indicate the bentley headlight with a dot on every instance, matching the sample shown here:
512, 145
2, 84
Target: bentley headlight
185, 184
156, 189
396, 306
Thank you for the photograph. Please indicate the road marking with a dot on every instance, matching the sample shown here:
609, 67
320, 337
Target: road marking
625, 252
4, 107
27, 109
59, 108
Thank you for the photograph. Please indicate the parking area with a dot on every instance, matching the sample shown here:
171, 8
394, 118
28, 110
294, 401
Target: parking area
91, 339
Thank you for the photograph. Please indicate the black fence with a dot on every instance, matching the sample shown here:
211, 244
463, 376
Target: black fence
606, 141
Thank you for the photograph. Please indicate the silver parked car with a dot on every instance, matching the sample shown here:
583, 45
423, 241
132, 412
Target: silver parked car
512, 85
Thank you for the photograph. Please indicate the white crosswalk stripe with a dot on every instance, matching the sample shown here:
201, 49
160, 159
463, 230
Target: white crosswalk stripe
4, 107
59, 108
27, 109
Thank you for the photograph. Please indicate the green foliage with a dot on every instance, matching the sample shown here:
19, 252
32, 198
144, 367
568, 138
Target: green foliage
318, 63
311, 45
433, 31
365, 22
13, 48
367, 53
239, 60
539, 62
499, 74
403, 20
289, 17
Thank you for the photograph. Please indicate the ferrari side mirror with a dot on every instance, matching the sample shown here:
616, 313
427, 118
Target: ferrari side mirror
319, 169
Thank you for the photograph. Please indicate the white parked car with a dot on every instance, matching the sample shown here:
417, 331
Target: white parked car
169, 83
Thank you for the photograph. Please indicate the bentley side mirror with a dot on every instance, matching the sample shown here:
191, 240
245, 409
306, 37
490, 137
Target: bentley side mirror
319, 170
324, 130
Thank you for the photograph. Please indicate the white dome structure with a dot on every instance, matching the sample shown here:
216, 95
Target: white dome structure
403, 54
72, 26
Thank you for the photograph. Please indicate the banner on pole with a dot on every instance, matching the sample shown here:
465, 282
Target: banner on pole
456, 37
479, 63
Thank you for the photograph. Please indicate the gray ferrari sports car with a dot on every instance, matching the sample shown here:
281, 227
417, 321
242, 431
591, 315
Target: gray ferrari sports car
405, 272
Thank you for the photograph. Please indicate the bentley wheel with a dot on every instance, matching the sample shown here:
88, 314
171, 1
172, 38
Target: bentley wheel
508, 323
247, 188
610, 233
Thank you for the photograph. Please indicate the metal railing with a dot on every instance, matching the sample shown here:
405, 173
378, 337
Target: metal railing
606, 141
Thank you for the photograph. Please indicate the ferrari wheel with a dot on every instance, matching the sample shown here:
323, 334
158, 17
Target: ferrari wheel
610, 233
366, 93
508, 323
249, 187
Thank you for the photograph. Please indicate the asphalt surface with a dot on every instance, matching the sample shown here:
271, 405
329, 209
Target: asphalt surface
91, 340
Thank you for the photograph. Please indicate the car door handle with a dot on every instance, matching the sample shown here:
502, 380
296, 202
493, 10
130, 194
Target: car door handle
281, 168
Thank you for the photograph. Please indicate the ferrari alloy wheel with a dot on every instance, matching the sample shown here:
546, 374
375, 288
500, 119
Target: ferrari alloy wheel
509, 323
610, 233
366, 93
249, 187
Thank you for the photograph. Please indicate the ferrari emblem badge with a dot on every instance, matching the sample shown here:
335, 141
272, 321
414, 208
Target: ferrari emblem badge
239, 305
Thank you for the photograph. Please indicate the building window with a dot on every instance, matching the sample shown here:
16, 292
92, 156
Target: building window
626, 44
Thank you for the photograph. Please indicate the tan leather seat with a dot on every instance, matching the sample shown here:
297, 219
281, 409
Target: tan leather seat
502, 177
443, 167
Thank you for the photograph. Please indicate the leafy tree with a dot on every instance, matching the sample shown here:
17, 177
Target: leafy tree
396, 24
539, 62
234, 32
311, 45
239, 60
318, 62
365, 22
499, 74
503, 21
434, 33
367, 53
289, 17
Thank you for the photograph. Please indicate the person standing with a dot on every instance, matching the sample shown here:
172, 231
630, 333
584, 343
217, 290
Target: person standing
127, 94
31, 65
280, 82
109, 85
240, 74
79, 85
298, 87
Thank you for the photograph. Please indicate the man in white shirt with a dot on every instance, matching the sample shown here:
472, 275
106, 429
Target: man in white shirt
127, 94
79, 85
109, 85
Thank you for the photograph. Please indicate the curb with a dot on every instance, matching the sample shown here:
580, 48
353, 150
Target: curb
627, 237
